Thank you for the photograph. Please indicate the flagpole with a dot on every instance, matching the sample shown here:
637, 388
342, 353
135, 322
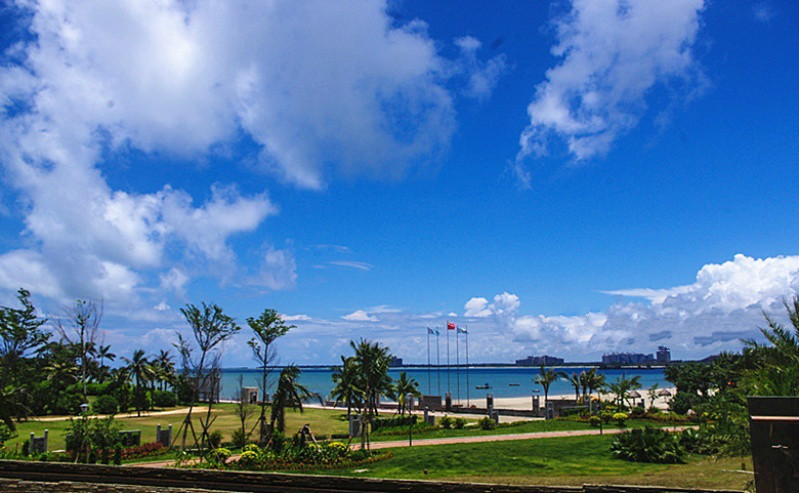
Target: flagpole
428, 362
467, 367
438, 364
448, 386
457, 365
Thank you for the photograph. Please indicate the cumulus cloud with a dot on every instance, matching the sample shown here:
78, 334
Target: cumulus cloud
724, 304
315, 86
610, 55
360, 316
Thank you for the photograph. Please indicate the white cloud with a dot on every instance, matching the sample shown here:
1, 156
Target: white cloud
316, 86
300, 317
610, 55
360, 316
278, 270
352, 264
482, 76
477, 307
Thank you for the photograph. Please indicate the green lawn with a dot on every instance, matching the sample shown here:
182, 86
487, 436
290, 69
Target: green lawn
517, 427
550, 461
322, 422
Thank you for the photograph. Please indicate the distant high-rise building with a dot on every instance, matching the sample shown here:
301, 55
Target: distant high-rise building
627, 358
539, 360
395, 361
663, 354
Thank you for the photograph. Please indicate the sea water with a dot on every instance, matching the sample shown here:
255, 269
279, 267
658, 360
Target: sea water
502, 381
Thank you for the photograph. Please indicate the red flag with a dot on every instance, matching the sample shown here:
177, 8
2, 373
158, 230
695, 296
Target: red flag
450, 326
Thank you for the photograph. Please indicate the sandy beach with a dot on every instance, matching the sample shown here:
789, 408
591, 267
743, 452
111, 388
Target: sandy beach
526, 402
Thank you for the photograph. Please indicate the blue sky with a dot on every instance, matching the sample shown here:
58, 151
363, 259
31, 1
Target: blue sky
569, 177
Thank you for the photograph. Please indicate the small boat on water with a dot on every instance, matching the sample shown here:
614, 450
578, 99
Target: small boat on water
483, 387
513, 385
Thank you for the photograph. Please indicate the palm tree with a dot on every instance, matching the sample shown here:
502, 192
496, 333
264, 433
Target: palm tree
165, 368
653, 394
347, 389
372, 361
141, 371
776, 366
289, 393
622, 387
545, 379
596, 381
405, 386
574, 380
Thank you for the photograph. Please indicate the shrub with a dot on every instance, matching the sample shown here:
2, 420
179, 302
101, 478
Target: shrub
404, 421
459, 423
446, 422
487, 423
594, 421
219, 455
6, 433
67, 403
620, 418
145, 450
648, 445
105, 404
606, 416
338, 448
163, 398
117, 453
94, 388
248, 459
240, 438
215, 439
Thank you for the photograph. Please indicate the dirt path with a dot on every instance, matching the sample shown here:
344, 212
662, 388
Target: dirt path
452, 440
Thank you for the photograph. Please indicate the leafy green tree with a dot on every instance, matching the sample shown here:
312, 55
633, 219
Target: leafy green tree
403, 387
268, 327
288, 394
21, 333
210, 327
80, 327
545, 379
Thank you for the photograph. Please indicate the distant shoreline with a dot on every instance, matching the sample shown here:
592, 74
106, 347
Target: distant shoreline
598, 366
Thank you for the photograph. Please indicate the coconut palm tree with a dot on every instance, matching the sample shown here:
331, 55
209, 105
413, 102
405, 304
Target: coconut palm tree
372, 361
289, 393
403, 387
545, 379
347, 389
574, 380
164, 368
653, 394
142, 371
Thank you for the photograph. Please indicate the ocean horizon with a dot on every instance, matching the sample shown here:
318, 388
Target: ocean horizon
507, 381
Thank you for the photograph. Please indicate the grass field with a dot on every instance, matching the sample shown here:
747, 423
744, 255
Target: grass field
551, 461
517, 427
322, 422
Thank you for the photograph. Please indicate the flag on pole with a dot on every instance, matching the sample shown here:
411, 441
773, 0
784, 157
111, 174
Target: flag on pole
450, 326
462, 330
430, 331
